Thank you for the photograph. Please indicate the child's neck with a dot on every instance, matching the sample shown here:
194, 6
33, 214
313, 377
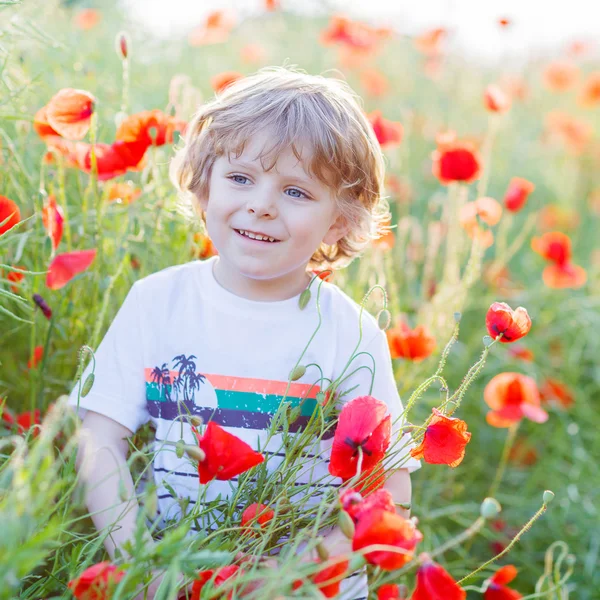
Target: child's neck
260, 290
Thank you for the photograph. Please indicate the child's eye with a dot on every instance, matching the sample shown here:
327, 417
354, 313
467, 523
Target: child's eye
298, 193
236, 178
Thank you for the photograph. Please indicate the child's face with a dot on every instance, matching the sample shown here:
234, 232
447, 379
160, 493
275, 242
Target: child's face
285, 203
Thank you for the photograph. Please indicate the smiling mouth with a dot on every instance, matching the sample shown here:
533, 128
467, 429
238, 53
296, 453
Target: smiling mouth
260, 238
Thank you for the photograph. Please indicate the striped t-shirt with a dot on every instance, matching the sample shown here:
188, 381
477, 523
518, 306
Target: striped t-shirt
181, 344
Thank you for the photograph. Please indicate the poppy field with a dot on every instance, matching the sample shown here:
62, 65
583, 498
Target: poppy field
491, 272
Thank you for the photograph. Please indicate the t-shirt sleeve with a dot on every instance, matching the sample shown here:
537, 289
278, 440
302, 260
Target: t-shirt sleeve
119, 385
378, 371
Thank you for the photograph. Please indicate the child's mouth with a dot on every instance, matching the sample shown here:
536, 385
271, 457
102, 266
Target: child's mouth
258, 241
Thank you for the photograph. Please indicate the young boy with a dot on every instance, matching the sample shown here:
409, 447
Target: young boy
287, 174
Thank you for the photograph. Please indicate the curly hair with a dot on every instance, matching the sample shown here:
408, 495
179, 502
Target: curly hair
293, 106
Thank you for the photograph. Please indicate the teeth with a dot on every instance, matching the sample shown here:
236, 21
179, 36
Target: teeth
255, 236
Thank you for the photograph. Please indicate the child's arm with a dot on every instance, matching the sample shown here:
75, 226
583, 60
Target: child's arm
101, 463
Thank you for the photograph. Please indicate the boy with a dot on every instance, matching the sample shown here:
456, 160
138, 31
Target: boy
287, 174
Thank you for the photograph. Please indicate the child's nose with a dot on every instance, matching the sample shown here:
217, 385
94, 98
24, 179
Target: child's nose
263, 202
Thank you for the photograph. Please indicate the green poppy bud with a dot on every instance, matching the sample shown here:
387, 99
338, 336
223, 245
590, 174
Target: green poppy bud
457, 317
297, 372
304, 299
322, 551
295, 413
548, 496
384, 319
195, 453
87, 386
346, 524
487, 341
196, 421
179, 448
490, 508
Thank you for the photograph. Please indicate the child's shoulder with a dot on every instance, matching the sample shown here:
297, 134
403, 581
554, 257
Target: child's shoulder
171, 277
346, 310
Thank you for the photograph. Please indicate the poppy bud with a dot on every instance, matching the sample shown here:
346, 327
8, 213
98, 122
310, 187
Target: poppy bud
487, 341
122, 43
321, 397
490, 508
284, 505
196, 421
322, 551
304, 299
571, 560
383, 319
457, 317
548, 496
346, 524
179, 448
87, 386
151, 503
195, 453
295, 413
297, 372
43, 306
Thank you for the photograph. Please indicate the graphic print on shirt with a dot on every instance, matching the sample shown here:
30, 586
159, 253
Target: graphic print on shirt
228, 400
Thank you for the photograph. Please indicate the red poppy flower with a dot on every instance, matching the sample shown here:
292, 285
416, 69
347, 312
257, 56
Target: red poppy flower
113, 159
388, 591
271, 5
222, 575
554, 216
87, 18
435, 583
522, 453
497, 589
69, 113
555, 391
554, 246
488, 210
495, 99
411, 344
253, 53
215, 29
15, 277
38, 354
512, 396
561, 276
53, 218
430, 42
444, 441
24, 421
354, 504
521, 353
226, 455
96, 582
123, 192
222, 80
388, 133
379, 526
589, 95
375, 82
354, 35
65, 266
575, 134
249, 516
41, 125
455, 161
329, 578
10, 214
513, 324
561, 75
152, 127
362, 423
517, 193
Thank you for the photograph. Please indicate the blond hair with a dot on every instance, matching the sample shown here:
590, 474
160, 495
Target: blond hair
294, 106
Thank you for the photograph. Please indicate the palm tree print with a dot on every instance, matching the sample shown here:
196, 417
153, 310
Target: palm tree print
187, 380
162, 376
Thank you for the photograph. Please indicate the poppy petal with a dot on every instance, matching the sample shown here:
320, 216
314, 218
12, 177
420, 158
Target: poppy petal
65, 266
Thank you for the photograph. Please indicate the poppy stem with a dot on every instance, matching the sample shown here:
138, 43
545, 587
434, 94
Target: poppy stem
510, 439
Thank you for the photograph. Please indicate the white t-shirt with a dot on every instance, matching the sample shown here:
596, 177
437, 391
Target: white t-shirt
182, 340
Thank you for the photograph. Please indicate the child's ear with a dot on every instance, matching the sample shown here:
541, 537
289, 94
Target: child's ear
339, 228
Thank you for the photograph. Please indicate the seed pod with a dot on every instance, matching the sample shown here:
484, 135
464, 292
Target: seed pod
87, 386
179, 449
322, 551
548, 496
297, 372
346, 524
490, 508
384, 319
304, 299
195, 453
